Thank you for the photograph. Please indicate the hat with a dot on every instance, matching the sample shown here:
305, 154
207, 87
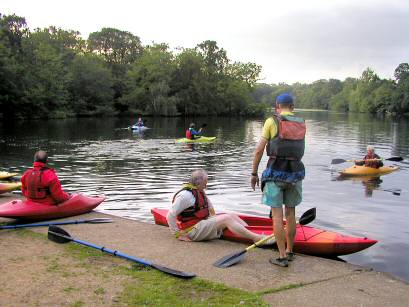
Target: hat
284, 98
191, 125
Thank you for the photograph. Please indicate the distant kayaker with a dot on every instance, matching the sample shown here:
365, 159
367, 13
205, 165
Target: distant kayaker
140, 122
40, 183
191, 133
368, 160
284, 138
192, 216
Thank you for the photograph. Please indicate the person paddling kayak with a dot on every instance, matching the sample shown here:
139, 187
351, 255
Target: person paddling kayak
368, 160
193, 218
140, 122
191, 133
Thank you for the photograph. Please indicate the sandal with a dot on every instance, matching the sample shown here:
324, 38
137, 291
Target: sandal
283, 262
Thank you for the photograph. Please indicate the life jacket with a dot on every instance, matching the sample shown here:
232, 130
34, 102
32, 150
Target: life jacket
35, 189
189, 135
194, 214
369, 162
285, 151
289, 142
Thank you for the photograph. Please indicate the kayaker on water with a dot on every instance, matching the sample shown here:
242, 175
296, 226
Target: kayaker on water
139, 123
368, 160
40, 183
284, 138
191, 133
192, 216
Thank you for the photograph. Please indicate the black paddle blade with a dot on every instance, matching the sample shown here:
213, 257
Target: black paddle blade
98, 220
204, 125
338, 161
395, 159
173, 272
229, 260
58, 235
308, 216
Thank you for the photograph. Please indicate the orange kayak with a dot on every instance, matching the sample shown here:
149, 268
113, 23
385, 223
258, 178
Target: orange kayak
9, 186
308, 240
358, 170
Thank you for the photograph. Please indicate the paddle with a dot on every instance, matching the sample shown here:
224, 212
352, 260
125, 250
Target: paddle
90, 221
227, 261
339, 161
393, 191
59, 235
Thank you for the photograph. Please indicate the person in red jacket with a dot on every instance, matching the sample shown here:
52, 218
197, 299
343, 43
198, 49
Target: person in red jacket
40, 183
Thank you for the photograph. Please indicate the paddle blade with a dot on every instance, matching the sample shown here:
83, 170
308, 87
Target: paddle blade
308, 216
395, 159
58, 235
230, 260
173, 272
98, 220
338, 161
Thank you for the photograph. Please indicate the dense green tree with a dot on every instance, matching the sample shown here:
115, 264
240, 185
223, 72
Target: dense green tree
90, 86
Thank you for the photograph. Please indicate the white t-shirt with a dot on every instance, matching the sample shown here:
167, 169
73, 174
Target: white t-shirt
183, 200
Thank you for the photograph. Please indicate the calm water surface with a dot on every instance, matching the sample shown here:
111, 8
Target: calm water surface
140, 171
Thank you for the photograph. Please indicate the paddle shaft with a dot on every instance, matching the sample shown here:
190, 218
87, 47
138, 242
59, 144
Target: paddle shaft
102, 220
258, 243
112, 252
121, 255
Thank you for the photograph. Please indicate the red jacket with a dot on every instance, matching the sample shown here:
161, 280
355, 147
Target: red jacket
40, 184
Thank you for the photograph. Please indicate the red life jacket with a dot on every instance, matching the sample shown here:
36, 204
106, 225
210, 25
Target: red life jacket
35, 189
289, 143
193, 215
188, 134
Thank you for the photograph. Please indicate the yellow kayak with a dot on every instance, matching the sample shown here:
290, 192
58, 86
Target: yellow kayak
9, 186
5, 175
202, 139
358, 170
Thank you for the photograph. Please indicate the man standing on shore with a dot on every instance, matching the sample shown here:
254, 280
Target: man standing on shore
284, 137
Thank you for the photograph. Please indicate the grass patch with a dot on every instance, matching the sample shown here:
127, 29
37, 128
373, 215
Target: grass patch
69, 289
155, 288
78, 304
99, 291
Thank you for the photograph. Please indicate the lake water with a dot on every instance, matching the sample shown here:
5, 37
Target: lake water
140, 171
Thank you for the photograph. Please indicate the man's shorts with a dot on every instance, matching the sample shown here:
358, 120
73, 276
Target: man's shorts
276, 194
205, 230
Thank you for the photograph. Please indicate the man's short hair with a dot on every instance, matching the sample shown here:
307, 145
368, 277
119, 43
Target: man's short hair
370, 147
198, 176
40, 156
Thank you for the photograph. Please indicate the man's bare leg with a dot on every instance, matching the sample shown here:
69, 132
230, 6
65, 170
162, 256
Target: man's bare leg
229, 221
279, 231
291, 228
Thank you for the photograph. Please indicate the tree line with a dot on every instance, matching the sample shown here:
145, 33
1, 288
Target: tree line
367, 94
54, 73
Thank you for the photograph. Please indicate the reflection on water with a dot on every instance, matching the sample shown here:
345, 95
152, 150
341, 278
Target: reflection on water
138, 171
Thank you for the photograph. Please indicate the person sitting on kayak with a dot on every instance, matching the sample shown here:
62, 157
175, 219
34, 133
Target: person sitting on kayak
191, 133
192, 216
368, 160
40, 183
139, 123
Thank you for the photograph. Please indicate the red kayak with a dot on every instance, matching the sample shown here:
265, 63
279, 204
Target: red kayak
308, 240
29, 210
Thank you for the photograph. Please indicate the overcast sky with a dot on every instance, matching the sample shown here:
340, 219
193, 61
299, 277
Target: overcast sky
299, 40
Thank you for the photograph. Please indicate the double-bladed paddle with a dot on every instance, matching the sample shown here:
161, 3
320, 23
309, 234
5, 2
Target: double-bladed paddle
339, 161
59, 235
89, 221
227, 261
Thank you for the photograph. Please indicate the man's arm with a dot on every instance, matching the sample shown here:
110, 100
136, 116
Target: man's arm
183, 201
56, 191
258, 154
